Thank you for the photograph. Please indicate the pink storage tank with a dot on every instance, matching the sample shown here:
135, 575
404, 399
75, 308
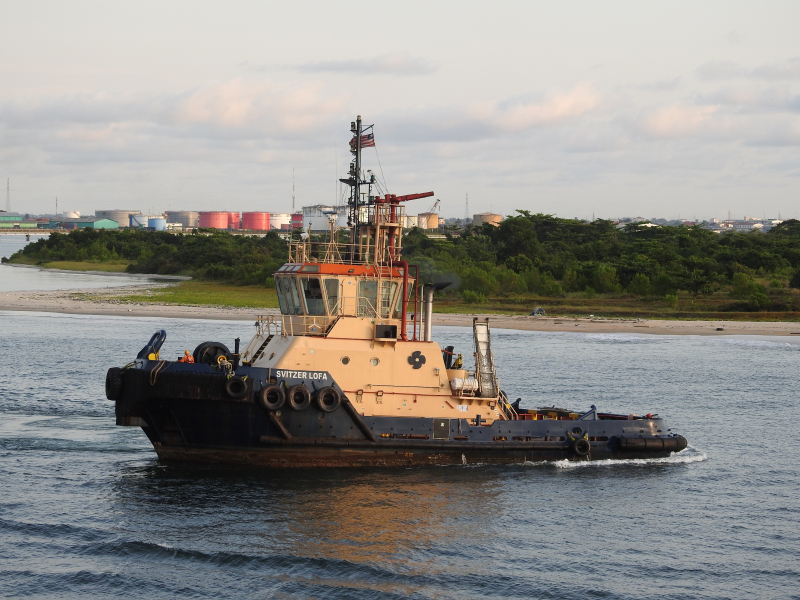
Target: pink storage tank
255, 221
216, 219
233, 220
297, 221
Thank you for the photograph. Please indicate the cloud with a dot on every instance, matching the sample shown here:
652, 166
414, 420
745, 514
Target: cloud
719, 70
676, 120
386, 64
492, 119
725, 69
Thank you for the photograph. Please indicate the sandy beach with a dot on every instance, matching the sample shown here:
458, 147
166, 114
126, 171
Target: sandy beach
111, 302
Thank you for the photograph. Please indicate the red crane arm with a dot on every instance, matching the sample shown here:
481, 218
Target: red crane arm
393, 198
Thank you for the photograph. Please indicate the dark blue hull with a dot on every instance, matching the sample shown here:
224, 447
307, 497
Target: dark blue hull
188, 416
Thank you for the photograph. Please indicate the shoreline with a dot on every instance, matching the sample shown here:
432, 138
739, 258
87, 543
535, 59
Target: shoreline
149, 276
106, 302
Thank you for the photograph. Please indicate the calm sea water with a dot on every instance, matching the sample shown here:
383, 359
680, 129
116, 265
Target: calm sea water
21, 278
86, 510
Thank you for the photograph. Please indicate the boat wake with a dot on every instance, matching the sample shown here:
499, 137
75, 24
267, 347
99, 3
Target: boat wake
684, 457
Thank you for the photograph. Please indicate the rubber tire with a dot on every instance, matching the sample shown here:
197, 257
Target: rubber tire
581, 447
208, 352
236, 387
114, 384
328, 399
274, 391
299, 398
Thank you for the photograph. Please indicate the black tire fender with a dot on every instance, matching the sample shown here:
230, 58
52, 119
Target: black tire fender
271, 397
581, 447
114, 383
328, 399
236, 387
299, 398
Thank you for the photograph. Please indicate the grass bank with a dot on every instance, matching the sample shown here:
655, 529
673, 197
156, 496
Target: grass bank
199, 293
109, 266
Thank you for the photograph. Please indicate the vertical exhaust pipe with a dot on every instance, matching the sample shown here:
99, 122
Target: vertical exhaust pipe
427, 334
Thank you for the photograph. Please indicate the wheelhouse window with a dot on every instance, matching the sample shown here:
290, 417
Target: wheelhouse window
332, 293
367, 297
398, 307
287, 289
388, 294
312, 295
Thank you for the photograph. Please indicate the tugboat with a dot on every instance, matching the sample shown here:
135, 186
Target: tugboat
349, 375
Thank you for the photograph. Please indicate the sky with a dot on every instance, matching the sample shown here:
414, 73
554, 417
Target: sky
578, 108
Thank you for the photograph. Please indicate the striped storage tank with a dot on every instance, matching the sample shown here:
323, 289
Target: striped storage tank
233, 220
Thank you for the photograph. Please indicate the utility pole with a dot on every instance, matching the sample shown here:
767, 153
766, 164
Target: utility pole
466, 209
8, 195
56, 205
292, 190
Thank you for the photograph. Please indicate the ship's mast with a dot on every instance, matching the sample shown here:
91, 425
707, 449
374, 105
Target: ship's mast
355, 174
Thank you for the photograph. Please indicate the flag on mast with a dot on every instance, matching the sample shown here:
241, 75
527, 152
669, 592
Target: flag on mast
367, 141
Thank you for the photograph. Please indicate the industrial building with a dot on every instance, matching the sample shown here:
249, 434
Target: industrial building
81, 223
119, 215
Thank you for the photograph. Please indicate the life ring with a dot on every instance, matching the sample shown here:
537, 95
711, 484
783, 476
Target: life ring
114, 383
328, 399
581, 446
236, 387
299, 397
271, 397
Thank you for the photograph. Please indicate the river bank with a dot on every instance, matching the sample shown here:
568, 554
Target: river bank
113, 302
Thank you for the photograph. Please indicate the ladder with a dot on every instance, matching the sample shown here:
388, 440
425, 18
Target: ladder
484, 359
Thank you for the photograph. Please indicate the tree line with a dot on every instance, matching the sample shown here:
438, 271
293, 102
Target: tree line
553, 257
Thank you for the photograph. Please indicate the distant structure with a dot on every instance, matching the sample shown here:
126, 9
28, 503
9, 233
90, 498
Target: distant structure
119, 215
487, 217
8, 195
428, 220
466, 209
280, 221
213, 219
157, 223
73, 214
85, 222
189, 219
138, 220
256, 221
316, 217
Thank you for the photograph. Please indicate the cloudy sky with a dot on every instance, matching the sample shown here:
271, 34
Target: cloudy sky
613, 108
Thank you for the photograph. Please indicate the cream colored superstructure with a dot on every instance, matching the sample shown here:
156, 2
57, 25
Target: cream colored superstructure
377, 374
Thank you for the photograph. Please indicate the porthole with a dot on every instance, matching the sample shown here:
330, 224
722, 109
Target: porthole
345, 360
374, 362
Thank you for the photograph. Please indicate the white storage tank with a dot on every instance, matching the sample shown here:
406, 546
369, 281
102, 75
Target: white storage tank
280, 220
411, 221
71, 214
